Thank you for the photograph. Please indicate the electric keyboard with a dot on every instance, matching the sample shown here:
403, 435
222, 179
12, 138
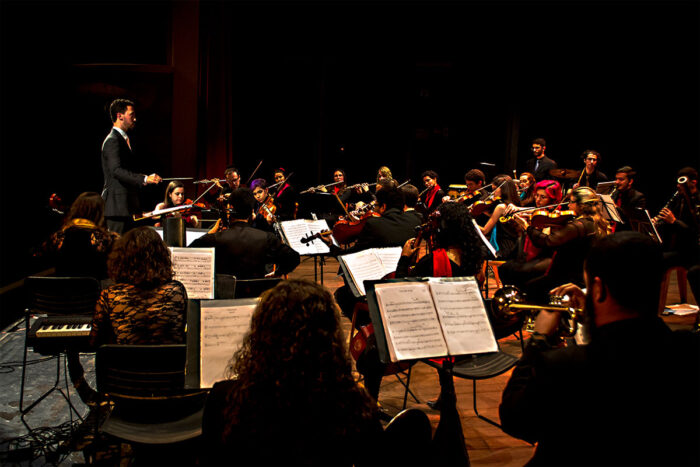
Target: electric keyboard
55, 334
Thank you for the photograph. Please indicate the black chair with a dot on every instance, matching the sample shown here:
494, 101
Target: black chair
478, 367
61, 299
410, 427
251, 288
146, 385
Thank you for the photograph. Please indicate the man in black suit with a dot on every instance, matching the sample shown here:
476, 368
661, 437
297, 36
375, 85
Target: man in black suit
121, 186
633, 390
244, 251
628, 200
540, 165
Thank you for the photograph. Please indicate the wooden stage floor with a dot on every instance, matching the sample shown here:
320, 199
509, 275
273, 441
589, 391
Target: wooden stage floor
487, 444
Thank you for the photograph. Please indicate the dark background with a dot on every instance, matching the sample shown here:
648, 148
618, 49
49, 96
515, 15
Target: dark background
315, 86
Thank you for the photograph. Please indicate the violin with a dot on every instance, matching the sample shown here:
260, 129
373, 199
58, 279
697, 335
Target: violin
268, 209
424, 241
469, 197
346, 229
311, 238
542, 218
480, 207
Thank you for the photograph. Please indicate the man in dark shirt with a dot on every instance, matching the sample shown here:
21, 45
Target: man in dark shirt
631, 396
591, 175
540, 165
244, 251
628, 200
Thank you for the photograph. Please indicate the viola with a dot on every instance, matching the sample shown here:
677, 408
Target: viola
267, 210
542, 218
469, 198
480, 207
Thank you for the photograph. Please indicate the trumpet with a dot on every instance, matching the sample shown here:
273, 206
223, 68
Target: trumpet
509, 301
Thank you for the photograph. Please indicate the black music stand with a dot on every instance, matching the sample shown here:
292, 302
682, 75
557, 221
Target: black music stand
640, 221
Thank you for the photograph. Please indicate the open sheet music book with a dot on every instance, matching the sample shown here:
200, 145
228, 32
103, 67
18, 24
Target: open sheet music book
223, 324
370, 264
429, 319
295, 230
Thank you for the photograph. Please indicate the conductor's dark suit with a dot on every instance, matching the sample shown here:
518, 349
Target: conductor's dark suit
121, 186
542, 172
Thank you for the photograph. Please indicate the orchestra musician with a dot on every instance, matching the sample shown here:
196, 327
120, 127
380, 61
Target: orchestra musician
626, 197
285, 196
591, 175
475, 180
526, 188
503, 237
432, 195
410, 200
531, 260
570, 241
265, 209
540, 164
175, 196
679, 226
244, 251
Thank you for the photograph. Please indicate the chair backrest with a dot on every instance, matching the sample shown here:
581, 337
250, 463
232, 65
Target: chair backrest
225, 286
62, 295
251, 288
411, 427
148, 381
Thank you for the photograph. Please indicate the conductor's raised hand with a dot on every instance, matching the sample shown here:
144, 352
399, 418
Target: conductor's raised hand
153, 179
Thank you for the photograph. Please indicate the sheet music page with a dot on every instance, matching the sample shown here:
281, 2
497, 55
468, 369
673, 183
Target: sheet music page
297, 229
410, 320
363, 265
465, 324
194, 267
317, 226
389, 257
222, 329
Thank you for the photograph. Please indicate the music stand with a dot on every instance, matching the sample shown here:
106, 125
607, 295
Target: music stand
640, 221
610, 212
605, 188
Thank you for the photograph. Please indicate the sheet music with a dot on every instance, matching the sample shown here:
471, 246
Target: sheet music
191, 234
465, 324
222, 329
389, 257
409, 317
297, 229
363, 265
194, 267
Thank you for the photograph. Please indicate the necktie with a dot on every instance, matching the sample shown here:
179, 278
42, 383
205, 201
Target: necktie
537, 163
128, 143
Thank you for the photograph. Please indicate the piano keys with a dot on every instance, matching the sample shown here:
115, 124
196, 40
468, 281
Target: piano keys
52, 335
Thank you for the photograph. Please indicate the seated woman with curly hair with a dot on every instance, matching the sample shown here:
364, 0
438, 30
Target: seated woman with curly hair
81, 246
291, 398
145, 306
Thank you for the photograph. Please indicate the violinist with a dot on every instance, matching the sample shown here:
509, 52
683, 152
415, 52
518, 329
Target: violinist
570, 242
531, 260
432, 195
503, 237
265, 210
175, 196
285, 197
591, 176
526, 188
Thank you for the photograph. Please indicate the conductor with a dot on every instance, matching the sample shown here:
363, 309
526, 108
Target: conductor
121, 186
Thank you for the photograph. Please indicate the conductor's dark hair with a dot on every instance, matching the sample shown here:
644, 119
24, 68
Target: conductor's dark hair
631, 173
539, 141
429, 173
591, 151
689, 172
639, 287
476, 176
243, 202
410, 195
391, 197
118, 106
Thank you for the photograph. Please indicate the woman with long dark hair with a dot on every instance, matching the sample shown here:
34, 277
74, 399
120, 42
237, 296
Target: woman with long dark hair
81, 246
291, 398
503, 237
175, 196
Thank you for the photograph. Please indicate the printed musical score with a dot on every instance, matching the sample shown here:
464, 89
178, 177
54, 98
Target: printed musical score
194, 267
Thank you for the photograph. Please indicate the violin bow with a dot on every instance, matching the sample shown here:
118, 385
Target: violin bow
253, 174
